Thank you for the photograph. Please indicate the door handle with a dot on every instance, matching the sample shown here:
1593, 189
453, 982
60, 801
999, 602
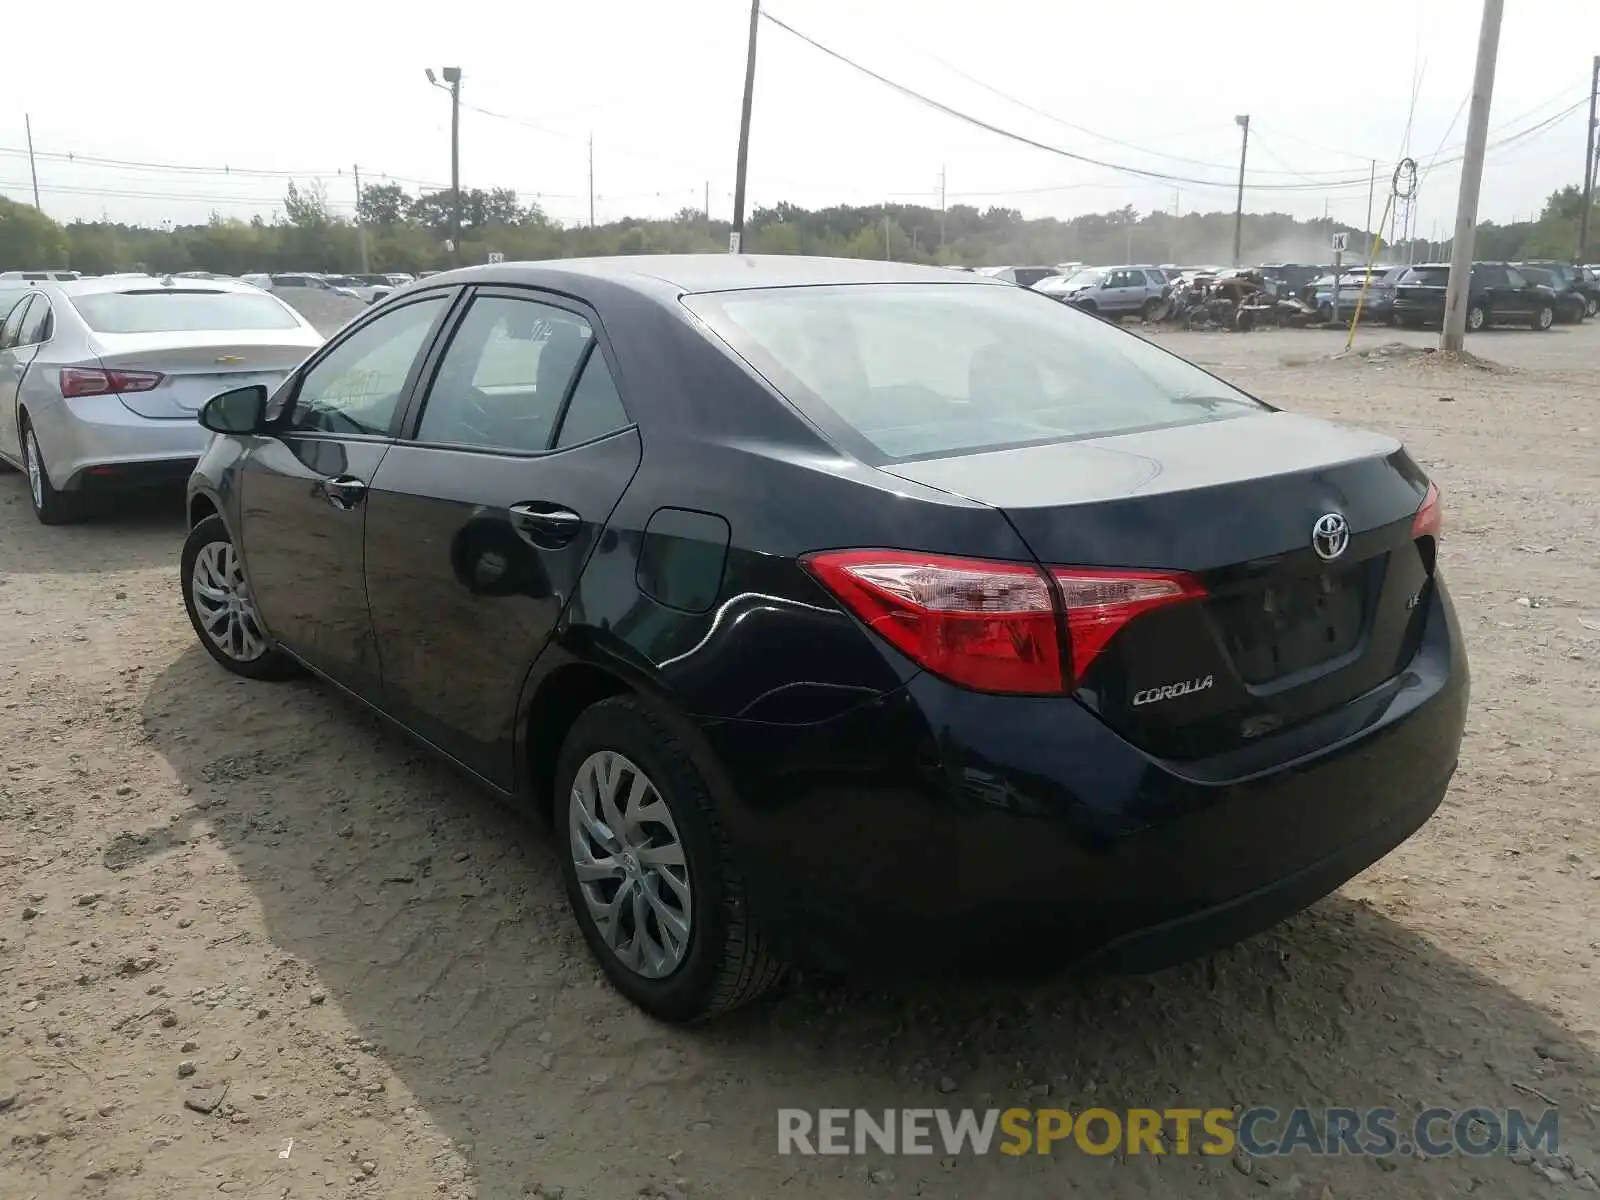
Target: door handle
344, 491
545, 522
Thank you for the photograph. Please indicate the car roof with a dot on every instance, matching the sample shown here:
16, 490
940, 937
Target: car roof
687, 273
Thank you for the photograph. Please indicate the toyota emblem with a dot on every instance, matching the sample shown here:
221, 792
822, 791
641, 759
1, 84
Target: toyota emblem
1329, 536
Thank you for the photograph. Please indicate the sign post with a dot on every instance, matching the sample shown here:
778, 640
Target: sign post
496, 257
1340, 242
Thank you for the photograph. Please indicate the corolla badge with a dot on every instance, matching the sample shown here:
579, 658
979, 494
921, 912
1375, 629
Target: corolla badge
1330, 536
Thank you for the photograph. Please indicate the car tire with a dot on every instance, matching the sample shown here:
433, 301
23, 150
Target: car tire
725, 959
1544, 318
1591, 306
1477, 318
1150, 309
211, 576
51, 506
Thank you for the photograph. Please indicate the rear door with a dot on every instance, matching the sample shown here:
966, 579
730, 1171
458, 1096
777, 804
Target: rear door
303, 489
17, 349
480, 522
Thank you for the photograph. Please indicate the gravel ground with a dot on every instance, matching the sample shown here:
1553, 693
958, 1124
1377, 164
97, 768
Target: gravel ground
259, 901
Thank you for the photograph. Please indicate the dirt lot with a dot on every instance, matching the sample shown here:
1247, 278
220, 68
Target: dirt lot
260, 892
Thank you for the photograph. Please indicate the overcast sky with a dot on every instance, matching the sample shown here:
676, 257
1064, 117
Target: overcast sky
309, 90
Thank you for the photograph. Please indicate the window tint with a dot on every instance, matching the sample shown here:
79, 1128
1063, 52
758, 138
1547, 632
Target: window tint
1516, 279
1156, 278
167, 310
1427, 276
37, 326
13, 323
356, 387
501, 383
919, 370
595, 409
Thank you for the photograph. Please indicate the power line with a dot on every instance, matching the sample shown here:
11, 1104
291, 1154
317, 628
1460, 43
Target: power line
979, 123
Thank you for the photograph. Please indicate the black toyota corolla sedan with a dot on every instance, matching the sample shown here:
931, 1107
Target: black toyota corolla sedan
846, 611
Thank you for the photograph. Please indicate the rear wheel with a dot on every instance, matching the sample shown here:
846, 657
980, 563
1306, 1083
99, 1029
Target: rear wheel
648, 871
1544, 317
1477, 317
217, 598
1150, 309
51, 506
1590, 306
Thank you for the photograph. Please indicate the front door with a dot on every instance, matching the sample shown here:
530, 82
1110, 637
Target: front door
303, 489
480, 523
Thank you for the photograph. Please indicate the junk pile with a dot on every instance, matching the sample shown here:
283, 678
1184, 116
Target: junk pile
1237, 300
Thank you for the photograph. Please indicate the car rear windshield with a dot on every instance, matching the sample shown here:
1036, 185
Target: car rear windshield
1427, 276
170, 310
933, 370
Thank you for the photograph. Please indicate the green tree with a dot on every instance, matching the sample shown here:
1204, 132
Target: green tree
29, 239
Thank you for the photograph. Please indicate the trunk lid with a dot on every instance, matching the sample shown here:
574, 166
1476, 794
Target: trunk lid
1283, 633
200, 365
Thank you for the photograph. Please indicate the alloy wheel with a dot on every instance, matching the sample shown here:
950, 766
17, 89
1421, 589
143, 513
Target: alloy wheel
631, 865
30, 455
1475, 318
1547, 317
222, 602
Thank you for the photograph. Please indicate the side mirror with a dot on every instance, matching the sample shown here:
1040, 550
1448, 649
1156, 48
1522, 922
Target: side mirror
241, 411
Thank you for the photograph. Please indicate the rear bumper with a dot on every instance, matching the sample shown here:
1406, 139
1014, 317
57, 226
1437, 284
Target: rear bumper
937, 828
95, 441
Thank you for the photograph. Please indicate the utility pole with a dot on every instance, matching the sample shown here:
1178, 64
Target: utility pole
886, 253
708, 202
1453, 338
361, 226
452, 84
736, 235
941, 207
33, 169
1372, 191
591, 181
1588, 168
1238, 205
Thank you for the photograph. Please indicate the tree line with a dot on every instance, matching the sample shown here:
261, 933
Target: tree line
397, 231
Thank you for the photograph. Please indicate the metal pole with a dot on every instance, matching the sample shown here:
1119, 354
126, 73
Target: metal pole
736, 235
941, 207
708, 200
361, 227
591, 181
33, 168
1453, 338
1372, 190
886, 253
1238, 205
455, 169
1588, 168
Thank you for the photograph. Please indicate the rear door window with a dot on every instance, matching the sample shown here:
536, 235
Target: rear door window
502, 381
929, 370
13, 324
38, 325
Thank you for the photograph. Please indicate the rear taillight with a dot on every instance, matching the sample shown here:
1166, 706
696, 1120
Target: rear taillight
993, 626
1429, 521
1099, 603
89, 381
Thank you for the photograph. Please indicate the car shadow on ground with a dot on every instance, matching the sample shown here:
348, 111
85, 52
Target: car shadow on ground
130, 532
436, 923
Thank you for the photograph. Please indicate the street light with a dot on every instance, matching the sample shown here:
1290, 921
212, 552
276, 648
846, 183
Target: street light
452, 84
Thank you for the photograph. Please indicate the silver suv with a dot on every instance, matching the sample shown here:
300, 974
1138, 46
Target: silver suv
1110, 291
